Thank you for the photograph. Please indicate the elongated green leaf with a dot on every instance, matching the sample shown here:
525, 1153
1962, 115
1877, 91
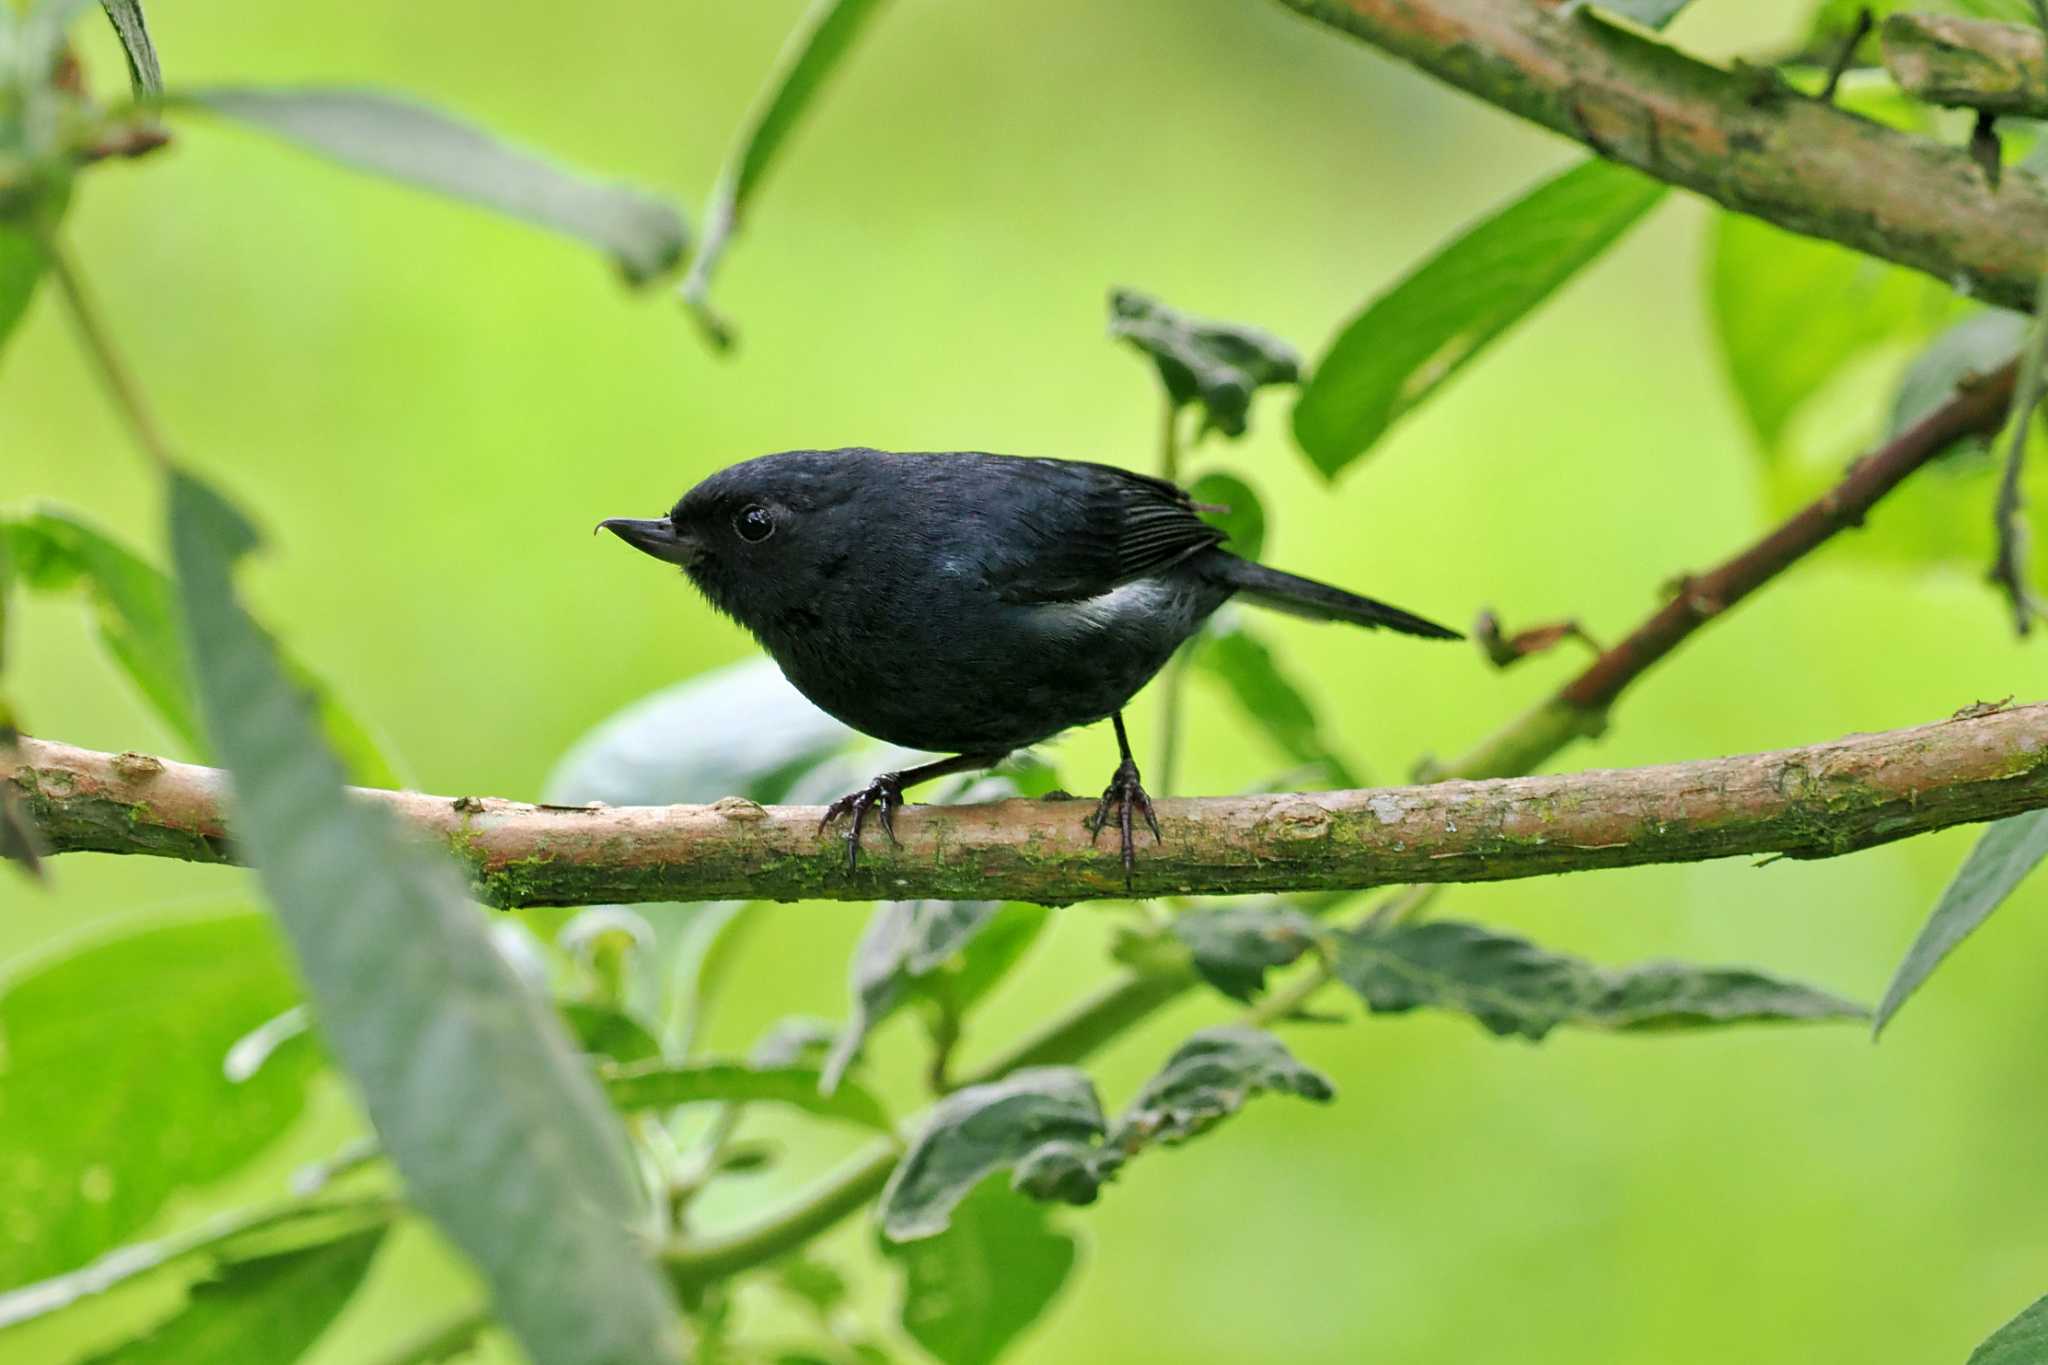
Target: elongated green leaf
1391, 357
21, 269
490, 1116
980, 1129
2023, 1341
606, 1032
820, 42
149, 1012
268, 1310
1790, 311
1218, 365
969, 1292
2007, 851
657, 1084
392, 136
1511, 986
135, 610
1233, 654
143, 71
1235, 945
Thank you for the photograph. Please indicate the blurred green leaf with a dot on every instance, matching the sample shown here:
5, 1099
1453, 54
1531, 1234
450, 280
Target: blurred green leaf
135, 610
143, 72
970, 1291
1218, 365
21, 269
1233, 654
1244, 520
266, 1310
604, 1031
1207, 1079
1648, 13
1393, 355
1789, 311
474, 1090
393, 136
658, 1084
815, 48
148, 1010
2005, 853
981, 1129
796, 1039
2023, 1341
1975, 346
908, 950
1235, 945
1511, 986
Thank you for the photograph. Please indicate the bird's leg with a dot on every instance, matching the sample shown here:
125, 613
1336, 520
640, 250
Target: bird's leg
884, 796
1126, 793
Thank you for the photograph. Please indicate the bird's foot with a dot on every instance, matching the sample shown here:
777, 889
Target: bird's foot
1125, 794
884, 796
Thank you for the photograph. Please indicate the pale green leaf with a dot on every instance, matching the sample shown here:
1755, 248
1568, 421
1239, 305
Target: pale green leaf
970, 1291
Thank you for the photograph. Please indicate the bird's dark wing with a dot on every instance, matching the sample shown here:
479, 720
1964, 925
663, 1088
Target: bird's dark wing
1079, 530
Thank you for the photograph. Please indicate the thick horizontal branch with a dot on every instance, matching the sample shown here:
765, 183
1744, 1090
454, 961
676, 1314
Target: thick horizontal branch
1740, 137
1969, 63
1805, 803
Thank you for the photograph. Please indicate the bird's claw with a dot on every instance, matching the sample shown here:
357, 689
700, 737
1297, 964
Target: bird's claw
884, 796
1126, 794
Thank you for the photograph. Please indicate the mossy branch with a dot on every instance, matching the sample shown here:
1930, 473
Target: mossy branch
1969, 63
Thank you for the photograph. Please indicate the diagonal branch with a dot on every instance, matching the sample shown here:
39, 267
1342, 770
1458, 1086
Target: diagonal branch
1813, 802
1740, 137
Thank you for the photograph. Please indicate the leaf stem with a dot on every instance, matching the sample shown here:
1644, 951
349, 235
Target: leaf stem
98, 342
1175, 680
2011, 568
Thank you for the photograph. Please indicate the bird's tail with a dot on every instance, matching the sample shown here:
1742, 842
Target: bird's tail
1317, 601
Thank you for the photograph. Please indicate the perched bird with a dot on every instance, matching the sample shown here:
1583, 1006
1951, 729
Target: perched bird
966, 603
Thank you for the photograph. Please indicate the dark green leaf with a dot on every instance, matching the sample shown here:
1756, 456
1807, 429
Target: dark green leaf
268, 1310
659, 1085
1648, 13
1216, 364
391, 136
1208, 1078
604, 1031
1231, 652
1416, 335
1977, 345
1243, 521
1790, 311
820, 42
970, 1291
1514, 987
149, 1014
2023, 1341
143, 71
1235, 945
980, 1129
2006, 852
474, 1090
135, 609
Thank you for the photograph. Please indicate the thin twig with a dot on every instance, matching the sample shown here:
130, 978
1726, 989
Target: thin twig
1174, 683
1846, 55
99, 344
2011, 567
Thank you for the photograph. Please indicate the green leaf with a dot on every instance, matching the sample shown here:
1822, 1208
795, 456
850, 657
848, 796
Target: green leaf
267, 1310
819, 43
143, 72
1209, 1078
909, 949
492, 1120
981, 1129
1233, 654
969, 1292
1977, 345
1511, 986
1243, 519
1235, 945
1789, 311
657, 1084
2006, 852
1648, 13
149, 1013
2023, 1341
602, 1031
395, 137
1219, 365
1393, 355
21, 269
135, 610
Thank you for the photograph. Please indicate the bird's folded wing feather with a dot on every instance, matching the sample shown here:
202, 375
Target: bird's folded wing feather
1104, 527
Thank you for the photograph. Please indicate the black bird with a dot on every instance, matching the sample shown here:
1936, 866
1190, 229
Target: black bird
967, 603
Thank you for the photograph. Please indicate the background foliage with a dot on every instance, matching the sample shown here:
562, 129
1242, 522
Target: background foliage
430, 406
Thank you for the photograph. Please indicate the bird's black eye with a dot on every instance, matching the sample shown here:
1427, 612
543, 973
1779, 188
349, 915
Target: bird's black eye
754, 523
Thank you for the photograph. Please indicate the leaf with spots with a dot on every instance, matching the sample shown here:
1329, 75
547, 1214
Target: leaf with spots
1235, 945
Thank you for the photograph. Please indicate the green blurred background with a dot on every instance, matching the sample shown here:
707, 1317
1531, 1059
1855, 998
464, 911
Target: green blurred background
429, 407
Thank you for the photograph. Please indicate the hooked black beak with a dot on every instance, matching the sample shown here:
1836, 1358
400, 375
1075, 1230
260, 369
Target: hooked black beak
657, 537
